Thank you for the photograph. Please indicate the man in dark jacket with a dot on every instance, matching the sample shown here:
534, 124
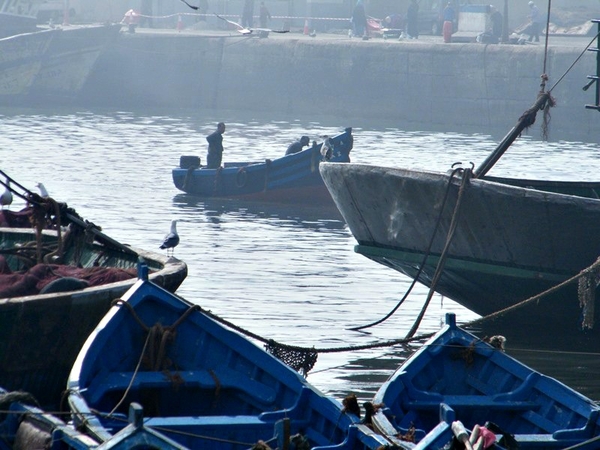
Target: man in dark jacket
298, 145
215, 147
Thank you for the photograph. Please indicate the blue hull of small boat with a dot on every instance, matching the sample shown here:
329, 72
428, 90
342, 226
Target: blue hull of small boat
292, 178
200, 383
457, 376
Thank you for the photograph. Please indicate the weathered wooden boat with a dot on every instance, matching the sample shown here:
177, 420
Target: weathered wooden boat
289, 179
24, 425
200, 383
41, 333
512, 239
20, 61
56, 282
487, 243
458, 376
69, 61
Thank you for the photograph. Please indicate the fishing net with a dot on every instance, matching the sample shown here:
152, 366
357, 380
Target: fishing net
302, 360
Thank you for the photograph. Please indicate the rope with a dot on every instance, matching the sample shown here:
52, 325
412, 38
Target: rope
272, 342
585, 272
137, 368
311, 353
427, 253
440, 266
575, 62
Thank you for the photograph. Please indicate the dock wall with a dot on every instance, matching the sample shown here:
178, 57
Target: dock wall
454, 86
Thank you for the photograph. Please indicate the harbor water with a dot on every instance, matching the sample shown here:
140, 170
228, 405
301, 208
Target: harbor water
282, 272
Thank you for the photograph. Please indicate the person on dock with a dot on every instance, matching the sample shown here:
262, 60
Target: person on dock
248, 14
215, 147
537, 22
264, 16
448, 26
297, 146
359, 19
412, 20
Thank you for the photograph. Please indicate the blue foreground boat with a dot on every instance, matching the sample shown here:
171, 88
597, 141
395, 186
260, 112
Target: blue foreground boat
292, 178
25, 426
456, 376
200, 383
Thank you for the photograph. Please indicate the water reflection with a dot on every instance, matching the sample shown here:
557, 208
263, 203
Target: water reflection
317, 217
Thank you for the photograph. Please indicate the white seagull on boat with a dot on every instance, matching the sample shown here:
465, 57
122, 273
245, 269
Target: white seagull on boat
6, 198
172, 239
43, 191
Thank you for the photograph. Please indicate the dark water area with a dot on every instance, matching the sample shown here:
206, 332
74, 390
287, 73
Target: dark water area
282, 272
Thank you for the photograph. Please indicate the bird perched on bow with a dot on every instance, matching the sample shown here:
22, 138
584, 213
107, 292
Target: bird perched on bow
6, 198
171, 239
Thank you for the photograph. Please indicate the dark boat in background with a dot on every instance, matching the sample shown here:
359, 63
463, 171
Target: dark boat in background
200, 383
17, 17
20, 61
69, 61
292, 178
459, 377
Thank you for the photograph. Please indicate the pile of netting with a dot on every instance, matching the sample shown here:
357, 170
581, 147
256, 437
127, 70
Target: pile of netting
50, 278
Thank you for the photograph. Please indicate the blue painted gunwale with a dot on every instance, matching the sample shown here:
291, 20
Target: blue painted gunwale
457, 376
27, 426
220, 389
291, 178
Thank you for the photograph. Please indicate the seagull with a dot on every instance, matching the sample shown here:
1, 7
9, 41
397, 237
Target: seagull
43, 191
262, 32
195, 8
6, 198
171, 239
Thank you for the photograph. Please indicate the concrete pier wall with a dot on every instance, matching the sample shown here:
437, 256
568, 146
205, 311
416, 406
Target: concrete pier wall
453, 86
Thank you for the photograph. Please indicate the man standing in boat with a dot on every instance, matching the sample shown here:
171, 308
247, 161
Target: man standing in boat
215, 147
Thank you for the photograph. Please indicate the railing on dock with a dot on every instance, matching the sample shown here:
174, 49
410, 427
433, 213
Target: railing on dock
594, 78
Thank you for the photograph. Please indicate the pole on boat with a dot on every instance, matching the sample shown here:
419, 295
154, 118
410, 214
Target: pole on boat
526, 120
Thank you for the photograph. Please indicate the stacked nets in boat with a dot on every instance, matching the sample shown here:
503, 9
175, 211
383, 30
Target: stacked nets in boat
48, 278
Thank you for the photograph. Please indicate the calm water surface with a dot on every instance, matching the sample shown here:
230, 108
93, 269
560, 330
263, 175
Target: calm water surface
282, 272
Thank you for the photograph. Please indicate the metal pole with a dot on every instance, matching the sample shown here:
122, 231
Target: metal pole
505, 23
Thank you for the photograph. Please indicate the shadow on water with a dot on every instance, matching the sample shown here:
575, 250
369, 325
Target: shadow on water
306, 216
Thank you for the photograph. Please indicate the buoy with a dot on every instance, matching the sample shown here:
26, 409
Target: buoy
179, 23
306, 31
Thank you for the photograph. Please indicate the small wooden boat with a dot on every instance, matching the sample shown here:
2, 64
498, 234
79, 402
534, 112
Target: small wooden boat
200, 383
290, 179
56, 282
459, 377
24, 425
